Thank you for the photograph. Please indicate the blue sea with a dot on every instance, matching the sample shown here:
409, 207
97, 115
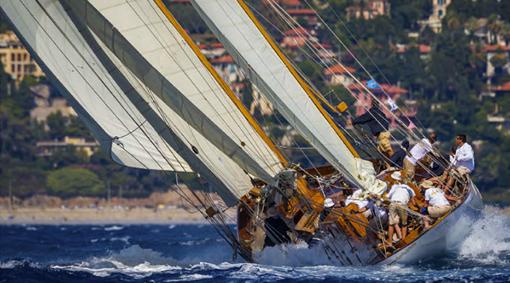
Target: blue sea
195, 253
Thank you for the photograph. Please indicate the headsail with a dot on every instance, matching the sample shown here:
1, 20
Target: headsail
89, 74
114, 121
146, 42
267, 67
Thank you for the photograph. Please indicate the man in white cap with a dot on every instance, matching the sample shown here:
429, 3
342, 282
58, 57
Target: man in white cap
361, 201
329, 204
437, 203
400, 195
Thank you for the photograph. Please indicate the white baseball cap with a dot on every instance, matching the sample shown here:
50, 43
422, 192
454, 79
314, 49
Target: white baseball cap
328, 203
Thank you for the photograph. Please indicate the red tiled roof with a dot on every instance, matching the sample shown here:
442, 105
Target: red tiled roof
322, 45
290, 2
293, 42
216, 45
390, 89
225, 59
494, 48
300, 31
423, 48
393, 89
301, 12
338, 70
503, 87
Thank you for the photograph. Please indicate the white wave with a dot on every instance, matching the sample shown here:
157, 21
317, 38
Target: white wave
293, 255
212, 266
172, 226
133, 261
124, 239
195, 242
31, 228
10, 264
190, 277
489, 241
113, 228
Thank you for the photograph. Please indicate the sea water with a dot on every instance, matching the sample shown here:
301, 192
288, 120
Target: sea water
195, 253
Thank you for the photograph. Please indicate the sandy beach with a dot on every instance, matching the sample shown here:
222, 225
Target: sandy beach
102, 215
158, 208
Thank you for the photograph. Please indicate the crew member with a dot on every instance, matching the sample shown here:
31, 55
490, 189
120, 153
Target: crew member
436, 202
400, 195
398, 157
378, 124
362, 203
462, 162
418, 151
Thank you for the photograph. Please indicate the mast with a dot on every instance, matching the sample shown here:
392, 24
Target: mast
267, 67
298, 78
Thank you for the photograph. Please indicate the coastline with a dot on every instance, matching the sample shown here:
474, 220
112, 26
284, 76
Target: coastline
158, 208
100, 216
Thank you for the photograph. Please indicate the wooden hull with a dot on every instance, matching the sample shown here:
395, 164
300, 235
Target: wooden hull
444, 237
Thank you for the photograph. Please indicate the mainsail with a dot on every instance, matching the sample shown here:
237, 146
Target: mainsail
109, 93
253, 49
152, 47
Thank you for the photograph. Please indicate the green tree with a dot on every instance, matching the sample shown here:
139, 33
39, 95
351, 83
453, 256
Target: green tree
406, 14
58, 125
69, 181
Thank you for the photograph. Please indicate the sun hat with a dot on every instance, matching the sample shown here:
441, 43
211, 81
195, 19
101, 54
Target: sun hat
396, 176
427, 184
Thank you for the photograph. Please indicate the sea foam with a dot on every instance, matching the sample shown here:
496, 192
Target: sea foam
489, 241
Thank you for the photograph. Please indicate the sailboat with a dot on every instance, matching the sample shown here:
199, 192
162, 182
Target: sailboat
153, 101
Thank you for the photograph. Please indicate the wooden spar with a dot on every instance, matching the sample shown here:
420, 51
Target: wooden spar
300, 80
221, 82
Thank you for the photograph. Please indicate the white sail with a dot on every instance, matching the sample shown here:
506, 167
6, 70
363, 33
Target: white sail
75, 67
116, 123
167, 64
268, 69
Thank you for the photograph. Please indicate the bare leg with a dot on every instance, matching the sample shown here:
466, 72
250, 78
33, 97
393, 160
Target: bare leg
426, 222
391, 231
449, 184
399, 232
404, 232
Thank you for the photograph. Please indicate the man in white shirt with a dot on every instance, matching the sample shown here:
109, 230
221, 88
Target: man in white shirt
464, 159
463, 162
437, 204
417, 152
399, 195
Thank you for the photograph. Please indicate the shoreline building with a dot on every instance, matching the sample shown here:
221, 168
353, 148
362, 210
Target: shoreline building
16, 59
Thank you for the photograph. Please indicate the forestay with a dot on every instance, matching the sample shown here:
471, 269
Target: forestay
270, 71
114, 121
144, 40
